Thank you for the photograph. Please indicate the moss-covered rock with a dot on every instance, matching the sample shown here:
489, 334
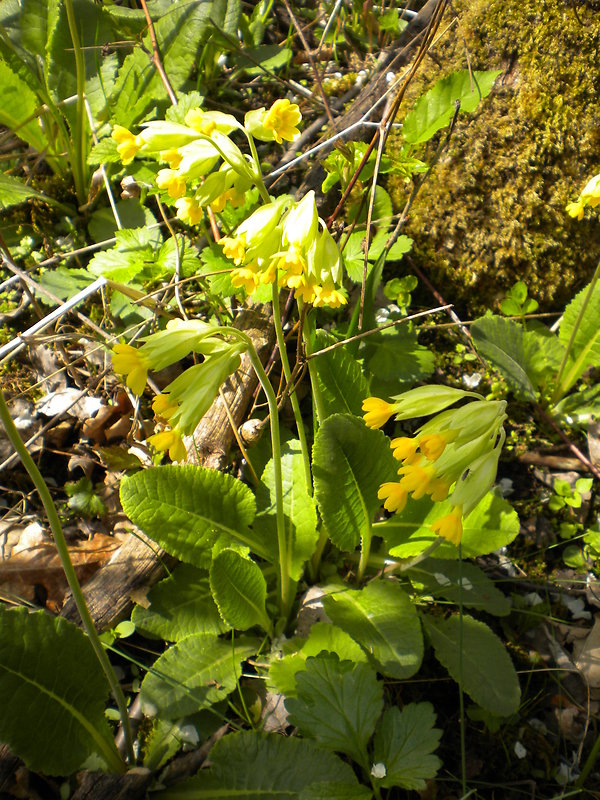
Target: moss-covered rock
493, 212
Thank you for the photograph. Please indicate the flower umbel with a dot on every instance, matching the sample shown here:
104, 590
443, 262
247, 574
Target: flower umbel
454, 455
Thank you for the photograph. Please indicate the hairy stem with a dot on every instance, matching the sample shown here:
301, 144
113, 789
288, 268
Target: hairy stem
67, 565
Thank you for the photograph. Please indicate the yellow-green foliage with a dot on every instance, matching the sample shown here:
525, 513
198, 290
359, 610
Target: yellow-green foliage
493, 211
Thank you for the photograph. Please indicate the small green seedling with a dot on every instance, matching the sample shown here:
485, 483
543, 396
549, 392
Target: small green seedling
516, 303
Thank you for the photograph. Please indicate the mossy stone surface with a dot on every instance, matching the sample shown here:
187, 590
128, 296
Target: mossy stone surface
493, 211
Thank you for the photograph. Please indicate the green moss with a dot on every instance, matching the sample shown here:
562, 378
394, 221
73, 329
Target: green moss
493, 211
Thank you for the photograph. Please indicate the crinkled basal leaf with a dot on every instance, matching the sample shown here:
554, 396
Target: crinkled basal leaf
180, 605
342, 384
350, 462
240, 590
500, 341
336, 791
338, 704
404, 744
186, 509
253, 766
383, 620
52, 694
586, 344
195, 673
396, 358
180, 30
491, 525
488, 674
435, 109
298, 508
443, 578
323, 636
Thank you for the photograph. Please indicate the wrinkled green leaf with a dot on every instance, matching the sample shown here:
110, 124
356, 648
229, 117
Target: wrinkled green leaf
338, 704
239, 589
350, 462
500, 341
442, 578
404, 744
14, 191
383, 620
435, 109
586, 344
194, 673
488, 674
340, 379
52, 691
252, 766
298, 506
186, 509
180, 605
323, 636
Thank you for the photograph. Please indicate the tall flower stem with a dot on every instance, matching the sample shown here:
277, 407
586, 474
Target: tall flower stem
67, 565
287, 373
285, 594
79, 152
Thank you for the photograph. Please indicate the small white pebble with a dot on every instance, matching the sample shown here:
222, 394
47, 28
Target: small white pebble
390, 77
472, 381
520, 751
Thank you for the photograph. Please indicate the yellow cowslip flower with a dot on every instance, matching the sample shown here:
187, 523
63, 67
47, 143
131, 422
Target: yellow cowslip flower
576, 209
416, 479
128, 145
234, 248
433, 445
328, 295
188, 210
395, 496
450, 526
293, 266
404, 447
172, 181
172, 157
268, 275
129, 361
163, 406
439, 490
169, 440
233, 196
244, 278
376, 412
304, 287
282, 119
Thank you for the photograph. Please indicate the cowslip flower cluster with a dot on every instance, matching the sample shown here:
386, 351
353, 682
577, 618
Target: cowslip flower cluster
453, 456
192, 151
286, 241
590, 196
182, 403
